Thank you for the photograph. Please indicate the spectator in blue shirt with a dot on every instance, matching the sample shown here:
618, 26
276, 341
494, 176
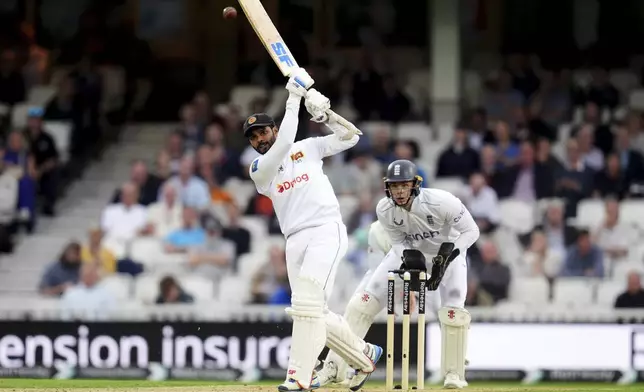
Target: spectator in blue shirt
507, 150
193, 191
584, 258
63, 273
191, 235
19, 161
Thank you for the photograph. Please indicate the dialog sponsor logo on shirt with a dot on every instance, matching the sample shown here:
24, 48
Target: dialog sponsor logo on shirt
290, 184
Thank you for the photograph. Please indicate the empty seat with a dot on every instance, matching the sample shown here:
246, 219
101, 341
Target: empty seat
113, 87
607, 291
590, 213
120, 285
19, 115
61, 132
636, 100
146, 250
622, 269
451, 184
517, 215
234, 290
258, 228
249, 263
278, 100
146, 288
202, 289
529, 290
632, 211
241, 191
624, 80
372, 127
418, 132
572, 291
41, 95
472, 88
243, 97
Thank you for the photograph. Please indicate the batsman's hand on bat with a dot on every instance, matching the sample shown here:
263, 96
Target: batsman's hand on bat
317, 105
299, 82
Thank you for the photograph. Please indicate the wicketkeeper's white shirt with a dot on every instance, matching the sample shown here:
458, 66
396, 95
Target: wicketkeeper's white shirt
291, 175
436, 216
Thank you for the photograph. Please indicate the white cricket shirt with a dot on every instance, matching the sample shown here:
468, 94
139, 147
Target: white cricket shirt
291, 175
436, 216
378, 245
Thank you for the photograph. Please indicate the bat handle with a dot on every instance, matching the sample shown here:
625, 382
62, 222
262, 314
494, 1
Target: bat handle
344, 122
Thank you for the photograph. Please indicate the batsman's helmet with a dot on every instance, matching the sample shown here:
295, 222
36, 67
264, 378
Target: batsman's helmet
403, 170
257, 120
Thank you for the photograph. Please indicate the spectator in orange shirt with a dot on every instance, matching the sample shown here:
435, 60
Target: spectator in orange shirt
205, 170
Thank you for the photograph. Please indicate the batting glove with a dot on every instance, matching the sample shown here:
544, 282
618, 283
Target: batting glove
317, 105
299, 82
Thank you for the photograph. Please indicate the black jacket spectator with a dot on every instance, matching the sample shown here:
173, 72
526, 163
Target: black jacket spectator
148, 193
394, 105
494, 277
459, 160
631, 161
600, 91
367, 89
611, 181
633, 297
148, 184
12, 84
63, 105
234, 232
541, 175
575, 181
45, 153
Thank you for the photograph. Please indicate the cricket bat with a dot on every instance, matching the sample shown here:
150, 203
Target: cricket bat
277, 49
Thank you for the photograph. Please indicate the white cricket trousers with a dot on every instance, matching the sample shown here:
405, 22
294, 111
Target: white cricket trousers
315, 253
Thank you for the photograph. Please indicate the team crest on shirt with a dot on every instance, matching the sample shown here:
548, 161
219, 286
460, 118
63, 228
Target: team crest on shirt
430, 220
297, 157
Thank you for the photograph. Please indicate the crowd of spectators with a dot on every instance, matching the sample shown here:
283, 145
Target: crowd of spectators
34, 170
511, 147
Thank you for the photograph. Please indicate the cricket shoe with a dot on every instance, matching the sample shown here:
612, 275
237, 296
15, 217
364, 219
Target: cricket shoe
328, 374
292, 385
374, 353
453, 381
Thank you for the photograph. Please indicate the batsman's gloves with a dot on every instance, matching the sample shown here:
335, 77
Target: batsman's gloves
317, 105
446, 254
299, 82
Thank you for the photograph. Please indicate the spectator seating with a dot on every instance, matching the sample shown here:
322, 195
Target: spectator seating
243, 97
517, 218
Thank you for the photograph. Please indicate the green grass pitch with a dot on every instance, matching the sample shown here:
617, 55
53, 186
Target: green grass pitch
33, 385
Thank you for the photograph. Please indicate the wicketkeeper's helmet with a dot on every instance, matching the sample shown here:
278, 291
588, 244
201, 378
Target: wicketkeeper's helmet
403, 170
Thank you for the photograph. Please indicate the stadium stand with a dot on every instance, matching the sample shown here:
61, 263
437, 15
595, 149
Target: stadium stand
540, 142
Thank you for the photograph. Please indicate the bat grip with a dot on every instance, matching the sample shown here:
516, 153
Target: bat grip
344, 122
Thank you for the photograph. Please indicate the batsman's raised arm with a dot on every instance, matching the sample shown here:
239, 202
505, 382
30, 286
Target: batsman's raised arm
274, 145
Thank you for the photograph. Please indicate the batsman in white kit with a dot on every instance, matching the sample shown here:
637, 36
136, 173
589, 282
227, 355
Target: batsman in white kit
291, 175
420, 224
